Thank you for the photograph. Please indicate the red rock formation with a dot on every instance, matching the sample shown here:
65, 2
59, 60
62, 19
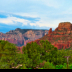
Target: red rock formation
61, 44
56, 29
20, 39
50, 31
61, 37
26, 41
66, 25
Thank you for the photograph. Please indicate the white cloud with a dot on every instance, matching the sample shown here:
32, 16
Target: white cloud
52, 23
48, 22
44, 21
45, 24
13, 20
33, 15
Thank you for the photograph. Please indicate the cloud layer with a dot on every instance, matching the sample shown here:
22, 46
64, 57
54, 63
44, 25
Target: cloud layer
35, 14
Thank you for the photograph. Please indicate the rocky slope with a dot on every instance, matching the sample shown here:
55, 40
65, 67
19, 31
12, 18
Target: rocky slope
22, 36
61, 37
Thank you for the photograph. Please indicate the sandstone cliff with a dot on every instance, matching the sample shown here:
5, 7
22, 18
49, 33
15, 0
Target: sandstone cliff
61, 37
22, 36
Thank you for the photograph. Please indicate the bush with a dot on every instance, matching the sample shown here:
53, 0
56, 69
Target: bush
59, 66
48, 65
23, 66
64, 66
70, 66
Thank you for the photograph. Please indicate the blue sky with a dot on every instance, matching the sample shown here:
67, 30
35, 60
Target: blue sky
34, 14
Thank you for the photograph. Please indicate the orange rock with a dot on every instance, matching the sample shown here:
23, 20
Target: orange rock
66, 25
63, 32
50, 31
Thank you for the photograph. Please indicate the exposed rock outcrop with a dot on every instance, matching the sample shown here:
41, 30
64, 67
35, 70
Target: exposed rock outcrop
66, 25
61, 37
50, 31
22, 36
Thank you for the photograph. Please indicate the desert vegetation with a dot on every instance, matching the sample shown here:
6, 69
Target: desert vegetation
34, 56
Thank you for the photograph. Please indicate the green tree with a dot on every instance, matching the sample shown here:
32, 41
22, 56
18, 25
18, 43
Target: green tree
49, 52
7, 54
44, 51
32, 51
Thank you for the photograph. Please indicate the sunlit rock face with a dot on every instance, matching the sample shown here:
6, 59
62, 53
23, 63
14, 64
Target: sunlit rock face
22, 36
50, 31
65, 25
61, 37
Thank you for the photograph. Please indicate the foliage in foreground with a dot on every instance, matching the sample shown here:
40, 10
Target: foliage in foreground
33, 56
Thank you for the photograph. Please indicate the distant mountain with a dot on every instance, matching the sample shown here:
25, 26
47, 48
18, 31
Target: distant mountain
22, 36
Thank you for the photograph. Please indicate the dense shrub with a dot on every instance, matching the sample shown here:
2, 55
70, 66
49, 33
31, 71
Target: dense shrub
33, 55
48, 65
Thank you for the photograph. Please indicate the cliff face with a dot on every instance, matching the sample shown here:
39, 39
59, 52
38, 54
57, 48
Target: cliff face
66, 25
22, 36
61, 37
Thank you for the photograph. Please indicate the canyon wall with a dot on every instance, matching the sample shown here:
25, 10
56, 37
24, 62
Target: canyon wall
22, 36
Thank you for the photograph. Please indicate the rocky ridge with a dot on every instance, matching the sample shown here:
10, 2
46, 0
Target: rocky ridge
61, 37
22, 36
